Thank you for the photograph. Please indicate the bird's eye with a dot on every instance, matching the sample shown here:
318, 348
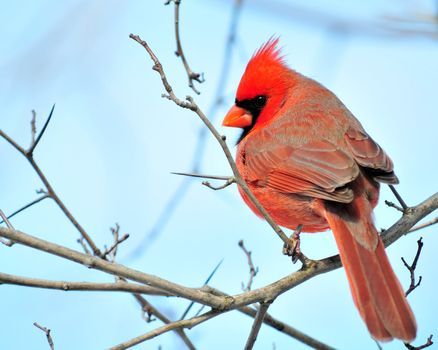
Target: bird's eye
260, 101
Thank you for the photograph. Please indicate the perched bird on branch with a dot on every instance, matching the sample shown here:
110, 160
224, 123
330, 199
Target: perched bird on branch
311, 164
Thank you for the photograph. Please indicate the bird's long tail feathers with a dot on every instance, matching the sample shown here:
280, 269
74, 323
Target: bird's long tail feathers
375, 288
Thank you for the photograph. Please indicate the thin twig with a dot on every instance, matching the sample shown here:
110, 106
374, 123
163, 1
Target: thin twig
27, 206
33, 129
113, 249
49, 191
179, 193
149, 310
424, 225
428, 343
411, 268
252, 270
48, 335
190, 104
83, 245
227, 183
212, 273
255, 329
6, 242
214, 177
166, 328
393, 205
40, 135
399, 198
192, 76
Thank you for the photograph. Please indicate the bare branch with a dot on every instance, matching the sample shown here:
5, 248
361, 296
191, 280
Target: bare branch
428, 343
6, 242
190, 104
212, 273
393, 205
278, 325
424, 225
411, 268
29, 152
227, 183
252, 270
49, 191
214, 177
176, 197
149, 310
113, 249
48, 335
399, 198
33, 129
119, 286
255, 329
311, 269
166, 328
35, 201
192, 76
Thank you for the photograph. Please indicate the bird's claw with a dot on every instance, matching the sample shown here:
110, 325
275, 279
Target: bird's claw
293, 248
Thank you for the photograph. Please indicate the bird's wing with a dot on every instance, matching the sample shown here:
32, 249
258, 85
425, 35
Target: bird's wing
316, 169
370, 155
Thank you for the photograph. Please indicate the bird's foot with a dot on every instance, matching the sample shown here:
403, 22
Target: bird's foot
293, 248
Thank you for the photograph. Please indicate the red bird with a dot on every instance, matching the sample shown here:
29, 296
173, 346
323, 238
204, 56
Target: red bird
309, 162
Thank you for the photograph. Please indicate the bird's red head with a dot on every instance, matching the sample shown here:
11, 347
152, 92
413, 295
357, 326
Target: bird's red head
262, 89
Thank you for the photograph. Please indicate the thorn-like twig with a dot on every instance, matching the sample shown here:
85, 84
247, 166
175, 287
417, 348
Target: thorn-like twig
48, 335
192, 76
35, 201
428, 343
399, 198
411, 268
214, 177
252, 270
186, 311
49, 190
35, 142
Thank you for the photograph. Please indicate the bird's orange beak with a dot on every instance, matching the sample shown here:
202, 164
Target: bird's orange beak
237, 117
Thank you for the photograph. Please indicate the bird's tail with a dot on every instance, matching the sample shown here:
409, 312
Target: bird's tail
375, 288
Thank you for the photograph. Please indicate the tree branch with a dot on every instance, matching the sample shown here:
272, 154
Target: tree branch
35, 201
255, 329
411, 268
149, 309
190, 104
50, 192
189, 323
119, 286
309, 270
48, 335
180, 53
252, 270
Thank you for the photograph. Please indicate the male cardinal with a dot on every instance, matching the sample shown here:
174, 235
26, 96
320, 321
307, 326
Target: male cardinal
310, 163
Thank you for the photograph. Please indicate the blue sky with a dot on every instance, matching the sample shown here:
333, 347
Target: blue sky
113, 142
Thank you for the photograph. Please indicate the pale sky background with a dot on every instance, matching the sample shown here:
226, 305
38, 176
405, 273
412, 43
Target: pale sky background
113, 142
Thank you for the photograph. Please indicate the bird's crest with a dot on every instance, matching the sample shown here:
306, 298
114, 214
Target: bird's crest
265, 73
